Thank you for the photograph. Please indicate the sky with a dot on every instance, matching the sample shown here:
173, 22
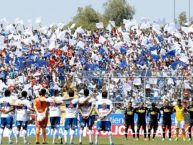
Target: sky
54, 11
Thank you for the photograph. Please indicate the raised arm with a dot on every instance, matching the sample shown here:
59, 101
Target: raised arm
82, 101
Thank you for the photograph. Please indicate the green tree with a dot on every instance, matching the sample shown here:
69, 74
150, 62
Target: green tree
182, 18
117, 10
86, 17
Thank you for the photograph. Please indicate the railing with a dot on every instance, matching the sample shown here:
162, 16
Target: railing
140, 85
138, 73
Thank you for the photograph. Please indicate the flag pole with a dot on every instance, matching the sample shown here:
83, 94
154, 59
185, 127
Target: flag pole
174, 10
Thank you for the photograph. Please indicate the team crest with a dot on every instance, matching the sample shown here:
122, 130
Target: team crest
71, 105
104, 106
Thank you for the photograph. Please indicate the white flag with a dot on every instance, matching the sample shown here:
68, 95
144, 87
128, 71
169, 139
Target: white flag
112, 23
102, 39
99, 25
72, 26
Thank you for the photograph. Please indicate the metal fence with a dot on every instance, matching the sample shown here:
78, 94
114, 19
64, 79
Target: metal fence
137, 86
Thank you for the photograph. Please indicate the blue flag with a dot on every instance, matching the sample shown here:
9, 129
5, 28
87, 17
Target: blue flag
82, 60
142, 60
144, 52
160, 38
153, 48
41, 63
155, 57
101, 51
7, 59
91, 67
47, 54
25, 49
169, 54
123, 64
178, 63
123, 50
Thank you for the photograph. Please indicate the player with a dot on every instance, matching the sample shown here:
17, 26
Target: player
6, 115
21, 110
129, 119
85, 111
41, 109
154, 116
71, 117
141, 112
71, 121
103, 108
190, 111
167, 119
55, 113
93, 113
179, 120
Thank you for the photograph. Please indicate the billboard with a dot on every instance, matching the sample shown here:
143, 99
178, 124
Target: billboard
118, 128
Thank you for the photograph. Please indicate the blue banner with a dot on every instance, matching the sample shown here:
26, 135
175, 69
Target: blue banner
116, 120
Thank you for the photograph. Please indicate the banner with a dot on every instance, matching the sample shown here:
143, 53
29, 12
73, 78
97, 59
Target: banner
118, 128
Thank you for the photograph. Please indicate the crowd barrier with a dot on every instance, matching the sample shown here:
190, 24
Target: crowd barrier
138, 86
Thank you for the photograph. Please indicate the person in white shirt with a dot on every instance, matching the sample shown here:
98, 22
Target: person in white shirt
22, 106
85, 111
6, 115
103, 108
55, 113
71, 120
71, 117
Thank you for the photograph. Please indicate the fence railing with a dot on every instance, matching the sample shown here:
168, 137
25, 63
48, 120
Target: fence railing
136, 86
140, 73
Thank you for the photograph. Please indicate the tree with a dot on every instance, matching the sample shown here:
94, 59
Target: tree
117, 10
182, 18
86, 17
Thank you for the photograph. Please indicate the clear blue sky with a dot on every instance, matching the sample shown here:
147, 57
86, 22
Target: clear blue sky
53, 11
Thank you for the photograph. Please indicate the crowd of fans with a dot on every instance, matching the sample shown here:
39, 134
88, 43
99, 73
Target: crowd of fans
139, 59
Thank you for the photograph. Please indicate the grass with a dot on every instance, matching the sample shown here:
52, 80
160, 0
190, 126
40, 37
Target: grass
117, 141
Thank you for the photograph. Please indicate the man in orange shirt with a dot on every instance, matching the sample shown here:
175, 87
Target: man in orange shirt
41, 108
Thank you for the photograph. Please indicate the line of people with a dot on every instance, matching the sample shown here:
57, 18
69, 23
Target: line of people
153, 114
83, 112
86, 106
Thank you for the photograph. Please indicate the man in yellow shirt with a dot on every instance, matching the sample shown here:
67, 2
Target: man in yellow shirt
179, 120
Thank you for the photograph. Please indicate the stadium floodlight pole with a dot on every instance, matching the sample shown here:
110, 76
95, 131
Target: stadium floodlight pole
109, 79
182, 86
189, 15
174, 10
144, 89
